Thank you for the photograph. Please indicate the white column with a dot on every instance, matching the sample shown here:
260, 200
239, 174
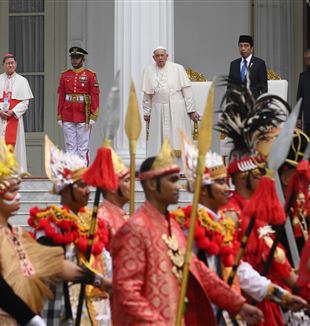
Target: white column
140, 26
77, 15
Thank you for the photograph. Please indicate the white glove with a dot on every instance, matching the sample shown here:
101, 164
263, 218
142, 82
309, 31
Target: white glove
36, 321
91, 122
59, 123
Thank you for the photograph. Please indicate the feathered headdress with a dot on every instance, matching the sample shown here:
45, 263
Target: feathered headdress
247, 121
214, 165
61, 168
8, 165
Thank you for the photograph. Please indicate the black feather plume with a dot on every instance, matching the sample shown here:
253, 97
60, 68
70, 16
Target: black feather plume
244, 120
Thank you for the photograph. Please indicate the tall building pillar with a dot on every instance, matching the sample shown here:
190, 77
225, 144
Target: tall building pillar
140, 26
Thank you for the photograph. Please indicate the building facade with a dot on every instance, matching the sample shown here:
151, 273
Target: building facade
121, 35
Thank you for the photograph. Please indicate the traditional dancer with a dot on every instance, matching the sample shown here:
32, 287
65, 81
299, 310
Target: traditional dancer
148, 255
68, 226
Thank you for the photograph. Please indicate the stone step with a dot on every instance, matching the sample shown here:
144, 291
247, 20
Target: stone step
35, 192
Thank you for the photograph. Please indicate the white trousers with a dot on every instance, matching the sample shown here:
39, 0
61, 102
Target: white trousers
76, 139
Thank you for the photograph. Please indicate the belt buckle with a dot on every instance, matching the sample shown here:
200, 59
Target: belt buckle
74, 98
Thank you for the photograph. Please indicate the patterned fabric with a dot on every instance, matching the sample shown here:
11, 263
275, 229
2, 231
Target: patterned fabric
96, 303
145, 288
299, 318
113, 216
54, 309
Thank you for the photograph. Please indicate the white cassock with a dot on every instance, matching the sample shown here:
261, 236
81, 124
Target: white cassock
167, 99
20, 90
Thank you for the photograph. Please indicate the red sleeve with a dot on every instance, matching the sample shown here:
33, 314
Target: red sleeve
94, 96
129, 263
61, 97
218, 291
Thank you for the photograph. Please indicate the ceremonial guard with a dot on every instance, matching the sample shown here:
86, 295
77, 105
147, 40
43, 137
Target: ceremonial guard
78, 104
147, 255
68, 226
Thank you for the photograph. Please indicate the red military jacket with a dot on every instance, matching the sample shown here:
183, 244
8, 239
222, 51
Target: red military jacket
76, 87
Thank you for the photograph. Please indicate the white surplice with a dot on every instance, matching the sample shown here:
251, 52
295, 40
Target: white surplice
167, 99
20, 89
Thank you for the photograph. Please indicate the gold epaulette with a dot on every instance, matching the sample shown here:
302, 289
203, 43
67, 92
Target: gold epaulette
94, 72
64, 71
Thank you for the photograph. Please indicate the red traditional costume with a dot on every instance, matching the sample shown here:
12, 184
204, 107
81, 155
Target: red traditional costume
216, 234
145, 287
113, 216
62, 227
257, 250
297, 192
247, 122
303, 282
148, 255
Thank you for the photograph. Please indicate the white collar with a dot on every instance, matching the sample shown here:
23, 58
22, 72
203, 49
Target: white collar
248, 59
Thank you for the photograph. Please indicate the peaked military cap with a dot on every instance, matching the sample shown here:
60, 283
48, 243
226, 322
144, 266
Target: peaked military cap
75, 50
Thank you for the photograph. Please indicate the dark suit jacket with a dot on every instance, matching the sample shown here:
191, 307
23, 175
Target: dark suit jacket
304, 92
258, 75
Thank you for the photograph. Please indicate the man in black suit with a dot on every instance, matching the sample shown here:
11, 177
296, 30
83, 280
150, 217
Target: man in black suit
303, 92
248, 65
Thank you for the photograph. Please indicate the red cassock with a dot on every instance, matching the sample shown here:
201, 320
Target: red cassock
256, 253
113, 216
145, 288
71, 105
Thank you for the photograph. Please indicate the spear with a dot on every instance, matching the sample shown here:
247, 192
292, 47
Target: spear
272, 163
204, 143
109, 121
277, 156
133, 130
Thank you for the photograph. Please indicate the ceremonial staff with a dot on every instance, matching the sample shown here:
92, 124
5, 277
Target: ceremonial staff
133, 130
288, 128
109, 121
204, 143
277, 156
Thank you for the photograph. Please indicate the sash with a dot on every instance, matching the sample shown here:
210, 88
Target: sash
12, 124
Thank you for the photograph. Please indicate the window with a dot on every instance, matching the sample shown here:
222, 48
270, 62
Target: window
26, 41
